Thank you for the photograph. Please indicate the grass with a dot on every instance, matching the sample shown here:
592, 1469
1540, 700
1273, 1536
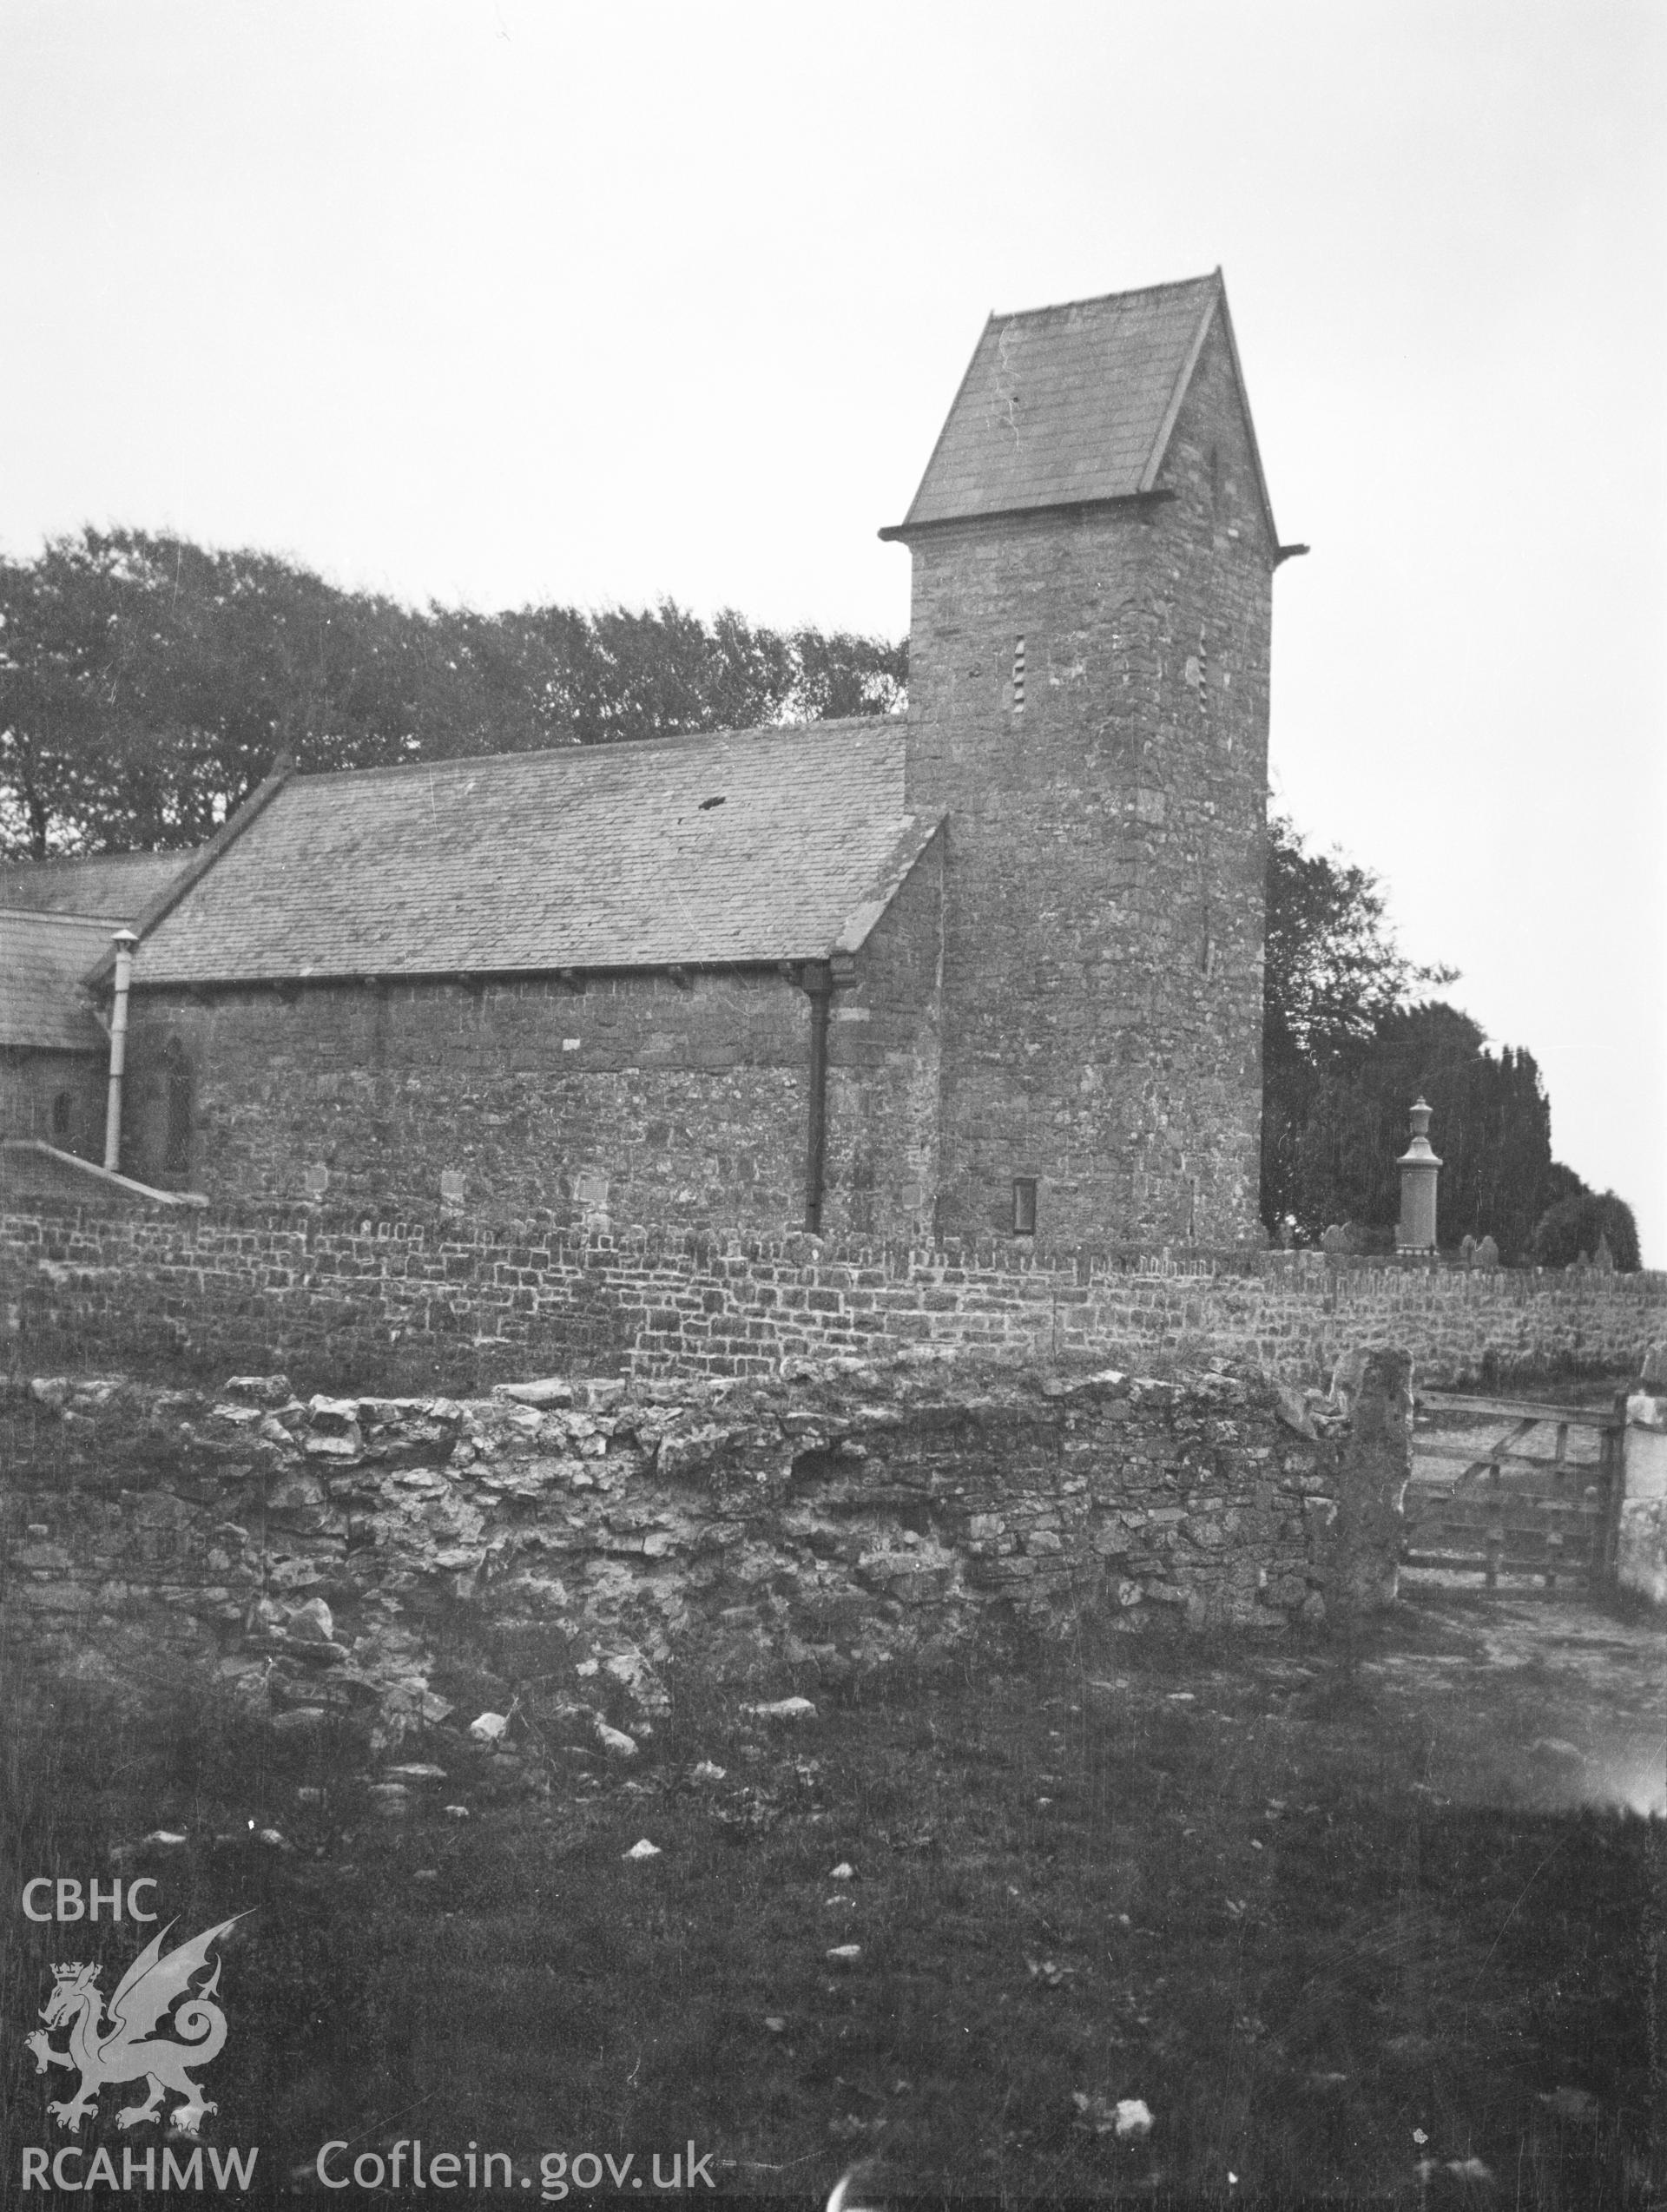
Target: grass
1305, 1911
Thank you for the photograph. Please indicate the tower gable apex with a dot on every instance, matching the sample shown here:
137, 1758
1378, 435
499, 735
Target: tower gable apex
1071, 405
1212, 411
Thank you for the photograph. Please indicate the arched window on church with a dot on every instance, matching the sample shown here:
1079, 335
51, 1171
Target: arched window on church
176, 1146
64, 1117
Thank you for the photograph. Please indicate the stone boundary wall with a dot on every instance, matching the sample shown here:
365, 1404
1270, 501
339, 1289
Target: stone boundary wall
457, 1303
341, 1558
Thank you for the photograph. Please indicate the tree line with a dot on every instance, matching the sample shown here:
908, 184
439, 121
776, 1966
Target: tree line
146, 683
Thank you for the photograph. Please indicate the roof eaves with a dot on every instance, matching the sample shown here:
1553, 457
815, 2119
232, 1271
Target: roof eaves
1102, 503
195, 869
261, 978
1166, 428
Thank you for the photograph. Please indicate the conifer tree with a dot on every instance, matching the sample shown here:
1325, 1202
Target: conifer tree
1348, 1045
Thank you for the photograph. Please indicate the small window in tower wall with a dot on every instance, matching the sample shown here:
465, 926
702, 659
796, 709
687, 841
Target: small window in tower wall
1024, 1205
1018, 675
63, 1115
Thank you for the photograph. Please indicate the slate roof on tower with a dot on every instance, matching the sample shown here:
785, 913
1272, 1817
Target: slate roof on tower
744, 847
1061, 405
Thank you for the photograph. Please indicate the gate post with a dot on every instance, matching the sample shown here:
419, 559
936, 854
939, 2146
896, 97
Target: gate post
1362, 1549
1639, 1514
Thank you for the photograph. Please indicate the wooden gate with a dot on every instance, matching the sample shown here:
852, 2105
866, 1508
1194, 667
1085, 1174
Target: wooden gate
1514, 1486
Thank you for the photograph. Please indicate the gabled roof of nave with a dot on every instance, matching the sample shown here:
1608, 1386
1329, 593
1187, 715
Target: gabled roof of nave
1062, 406
738, 848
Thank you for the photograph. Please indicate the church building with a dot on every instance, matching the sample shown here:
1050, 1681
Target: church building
990, 970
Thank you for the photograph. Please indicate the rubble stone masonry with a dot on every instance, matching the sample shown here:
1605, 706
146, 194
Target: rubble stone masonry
452, 1301
1104, 899
634, 1093
313, 1557
629, 1098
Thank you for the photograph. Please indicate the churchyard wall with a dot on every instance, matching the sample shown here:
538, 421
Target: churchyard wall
453, 1301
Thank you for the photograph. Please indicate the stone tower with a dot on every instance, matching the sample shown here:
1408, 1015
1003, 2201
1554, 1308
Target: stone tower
1093, 555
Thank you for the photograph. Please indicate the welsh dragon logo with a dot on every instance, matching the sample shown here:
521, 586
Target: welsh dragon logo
123, 2048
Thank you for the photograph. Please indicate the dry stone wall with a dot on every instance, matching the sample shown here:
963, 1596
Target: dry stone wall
458, 1303
344, 1558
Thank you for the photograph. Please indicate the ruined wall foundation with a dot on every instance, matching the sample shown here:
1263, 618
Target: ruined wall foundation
320, 1560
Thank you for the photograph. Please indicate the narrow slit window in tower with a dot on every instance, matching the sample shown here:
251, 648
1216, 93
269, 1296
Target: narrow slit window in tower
1018, 675
1024, 1205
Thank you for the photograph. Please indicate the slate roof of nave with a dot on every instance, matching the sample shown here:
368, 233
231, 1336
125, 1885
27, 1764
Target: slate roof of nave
742, 847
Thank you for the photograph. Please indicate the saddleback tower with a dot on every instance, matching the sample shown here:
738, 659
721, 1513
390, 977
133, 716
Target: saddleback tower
1093, 555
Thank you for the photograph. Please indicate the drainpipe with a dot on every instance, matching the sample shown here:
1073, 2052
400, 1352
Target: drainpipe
818, 981
125, 941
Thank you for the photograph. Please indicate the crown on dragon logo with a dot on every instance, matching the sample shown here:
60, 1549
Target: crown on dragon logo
73, 1969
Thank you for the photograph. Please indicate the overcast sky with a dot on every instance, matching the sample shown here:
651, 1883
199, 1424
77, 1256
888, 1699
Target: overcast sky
502, 302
